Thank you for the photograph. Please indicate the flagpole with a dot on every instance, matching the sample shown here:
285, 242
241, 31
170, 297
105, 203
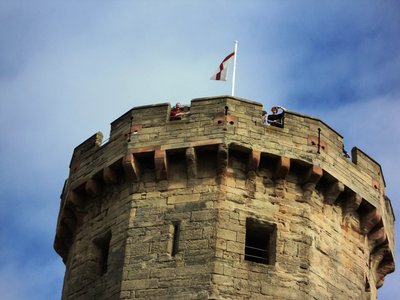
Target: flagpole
234, 69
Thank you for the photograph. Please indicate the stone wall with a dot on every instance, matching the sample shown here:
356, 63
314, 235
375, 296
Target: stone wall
317, 257
162, 209
101, 226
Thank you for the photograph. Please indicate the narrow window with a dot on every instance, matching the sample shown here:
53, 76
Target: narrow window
102, 245
367, 286
260, 242
173, 238
175, 241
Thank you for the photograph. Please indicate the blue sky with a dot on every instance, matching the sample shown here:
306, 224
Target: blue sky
69, 68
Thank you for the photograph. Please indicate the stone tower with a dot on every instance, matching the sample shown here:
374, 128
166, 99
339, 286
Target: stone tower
217, 205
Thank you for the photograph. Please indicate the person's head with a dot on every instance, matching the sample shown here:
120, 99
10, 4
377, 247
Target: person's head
178, 105
274, 109
264, 113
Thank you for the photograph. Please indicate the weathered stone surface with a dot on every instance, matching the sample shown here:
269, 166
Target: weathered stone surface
173, 209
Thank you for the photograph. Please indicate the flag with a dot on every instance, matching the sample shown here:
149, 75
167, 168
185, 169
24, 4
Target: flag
222, 71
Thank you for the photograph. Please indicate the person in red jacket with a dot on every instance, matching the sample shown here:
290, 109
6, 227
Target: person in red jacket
176, 112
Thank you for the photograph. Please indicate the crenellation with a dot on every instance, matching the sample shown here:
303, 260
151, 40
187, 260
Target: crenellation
171, 208
388, 222
90, 144
370, 166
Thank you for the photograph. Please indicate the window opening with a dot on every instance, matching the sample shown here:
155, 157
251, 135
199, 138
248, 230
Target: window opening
102, 245
175, 238
260, 242
367, 286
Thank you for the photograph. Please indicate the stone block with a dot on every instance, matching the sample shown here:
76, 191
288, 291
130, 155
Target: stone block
139, 284
226, 234
203, 215
177, 199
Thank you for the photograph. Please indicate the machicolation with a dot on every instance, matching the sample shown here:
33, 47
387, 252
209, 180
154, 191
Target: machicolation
217, 205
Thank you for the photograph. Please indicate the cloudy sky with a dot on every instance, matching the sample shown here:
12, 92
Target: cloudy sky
69, 68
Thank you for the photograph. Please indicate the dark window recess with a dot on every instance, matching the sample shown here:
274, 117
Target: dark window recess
175, 238
102, 245
367, 286
260, 242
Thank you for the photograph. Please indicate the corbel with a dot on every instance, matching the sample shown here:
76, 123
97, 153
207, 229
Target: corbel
313, 175
252, 165
222, 160
378, 236
369, 220
160, 162
253, 161
74, 198
191, 162
109, 175
385, 267
69, 218
350, 205
282, 168
92, 187
310, 180
131, 167
333, 191
382, 263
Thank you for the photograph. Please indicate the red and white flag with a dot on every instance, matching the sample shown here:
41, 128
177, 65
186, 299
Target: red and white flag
222, 72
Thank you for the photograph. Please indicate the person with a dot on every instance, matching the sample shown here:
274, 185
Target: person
176, 112
276, 119
264, 117
345, 154
276, 108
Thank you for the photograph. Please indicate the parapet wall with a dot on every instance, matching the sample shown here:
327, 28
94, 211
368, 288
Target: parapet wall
305, 148
149, 126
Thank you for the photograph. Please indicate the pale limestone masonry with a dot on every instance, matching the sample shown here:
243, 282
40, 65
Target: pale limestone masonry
177, 209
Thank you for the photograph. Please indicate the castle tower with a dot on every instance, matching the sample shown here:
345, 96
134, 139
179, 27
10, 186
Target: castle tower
217, 205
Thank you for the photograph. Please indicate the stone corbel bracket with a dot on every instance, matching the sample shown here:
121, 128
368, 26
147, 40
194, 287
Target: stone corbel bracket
277, 167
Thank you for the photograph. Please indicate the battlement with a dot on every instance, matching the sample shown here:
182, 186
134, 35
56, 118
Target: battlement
213, 139
148, 126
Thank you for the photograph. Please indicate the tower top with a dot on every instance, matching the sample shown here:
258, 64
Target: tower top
220, 155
